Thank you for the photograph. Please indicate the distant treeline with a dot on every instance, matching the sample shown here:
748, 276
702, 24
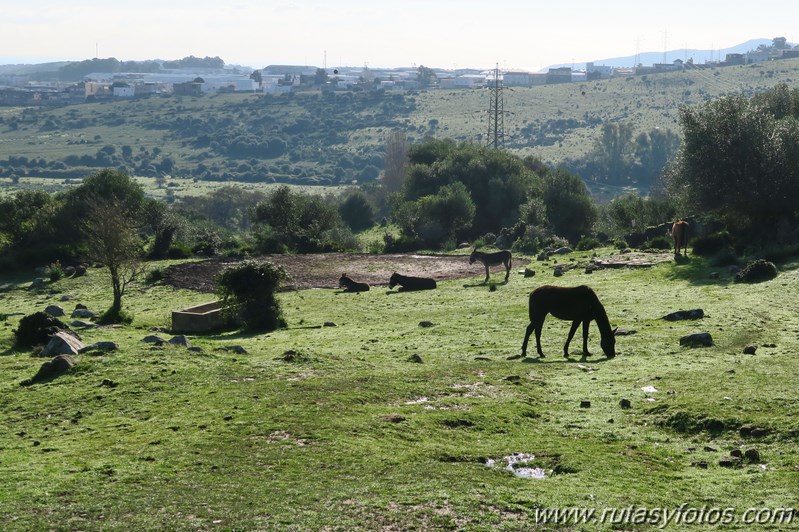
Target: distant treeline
78, 70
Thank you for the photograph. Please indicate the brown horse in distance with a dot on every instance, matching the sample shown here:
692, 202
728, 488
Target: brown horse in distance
580, 305
679, 232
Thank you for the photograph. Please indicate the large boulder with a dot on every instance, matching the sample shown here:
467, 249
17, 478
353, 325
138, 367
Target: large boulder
62, 343
55, 311
702, 339
52, 369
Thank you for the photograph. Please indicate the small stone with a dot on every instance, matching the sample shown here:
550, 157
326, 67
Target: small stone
108, 383
697, 340
54, 310
392, 418
752, 456
585, 404
750, 349
528, 272
415, 358
153, 339
329, 324
425, 323
513, 378
737, 453
625, 403
729, 461
700, 464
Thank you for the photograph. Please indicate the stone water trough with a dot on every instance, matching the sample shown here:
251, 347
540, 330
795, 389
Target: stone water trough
208, 317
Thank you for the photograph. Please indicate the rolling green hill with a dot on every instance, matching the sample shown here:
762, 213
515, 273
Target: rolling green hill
337, 138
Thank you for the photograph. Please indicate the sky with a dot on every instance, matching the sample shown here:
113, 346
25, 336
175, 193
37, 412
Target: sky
449, 34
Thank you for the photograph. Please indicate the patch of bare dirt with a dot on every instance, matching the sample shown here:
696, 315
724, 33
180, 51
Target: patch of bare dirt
324, 270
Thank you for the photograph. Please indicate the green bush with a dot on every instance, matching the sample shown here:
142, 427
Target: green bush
757, 271
706, 246
249, 288
55, 271
587, 243
659, 242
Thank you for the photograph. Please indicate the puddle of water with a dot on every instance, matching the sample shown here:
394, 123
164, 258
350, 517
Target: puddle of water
515, 464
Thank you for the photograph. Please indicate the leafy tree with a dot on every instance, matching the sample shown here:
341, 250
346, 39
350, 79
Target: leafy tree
570, 211
356, 211
320, 76
633, 213
612, 151
740, 159
653, 151
396, 159
426, 76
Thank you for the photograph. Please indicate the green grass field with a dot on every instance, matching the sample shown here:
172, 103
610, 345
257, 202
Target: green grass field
349, 434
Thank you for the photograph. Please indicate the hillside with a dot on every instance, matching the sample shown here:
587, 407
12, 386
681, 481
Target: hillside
336, 138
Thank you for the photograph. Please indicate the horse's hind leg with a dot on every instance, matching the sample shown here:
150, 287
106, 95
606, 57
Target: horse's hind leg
527, 334
586, 323
572, 330
507, 271
486, 279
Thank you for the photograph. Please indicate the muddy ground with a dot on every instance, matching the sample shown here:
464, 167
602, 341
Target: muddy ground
324, 270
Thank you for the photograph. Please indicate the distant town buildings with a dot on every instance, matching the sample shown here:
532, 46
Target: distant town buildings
17, 90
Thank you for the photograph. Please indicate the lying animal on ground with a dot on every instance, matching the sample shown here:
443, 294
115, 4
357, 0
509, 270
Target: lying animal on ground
679, 232
492, 259
579, 304
411, 283
349, 285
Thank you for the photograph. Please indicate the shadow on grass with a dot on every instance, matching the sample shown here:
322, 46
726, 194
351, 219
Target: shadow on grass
697, 270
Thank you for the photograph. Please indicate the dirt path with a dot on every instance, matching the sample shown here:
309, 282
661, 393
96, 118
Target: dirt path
324, 270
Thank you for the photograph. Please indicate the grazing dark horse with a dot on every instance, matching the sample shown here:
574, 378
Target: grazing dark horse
679, 232
349, 285
579, 304
411, 283
492, 259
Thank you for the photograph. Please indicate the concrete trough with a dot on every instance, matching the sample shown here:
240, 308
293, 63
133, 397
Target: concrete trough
208, 317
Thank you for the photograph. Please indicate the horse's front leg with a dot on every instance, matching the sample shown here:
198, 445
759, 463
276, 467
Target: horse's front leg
527, 334
486, 279
574, 326
586, 353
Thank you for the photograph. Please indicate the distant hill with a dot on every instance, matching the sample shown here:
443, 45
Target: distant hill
650, 58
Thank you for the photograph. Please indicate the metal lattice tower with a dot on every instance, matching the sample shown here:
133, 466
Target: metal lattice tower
496, 113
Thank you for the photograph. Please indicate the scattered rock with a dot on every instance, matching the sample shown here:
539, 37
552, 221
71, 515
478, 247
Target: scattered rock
557, 272
54, 310
528, 272
749, 431
62, 343
541, 257
563, 251
697, 340
84, 324
196, 349
80, 270
752, 456
737, 453
100, 346
483, 359
585, 404
108, 383
625, 403
392, 418
709, 449
52, 369
425, 323
153, 339
237, 349
624, 332
81, 306
37, 283
415, 358
179, 340
750, 349
513, 378
729, 461
694, 314
83, 313
329, 324
700, 464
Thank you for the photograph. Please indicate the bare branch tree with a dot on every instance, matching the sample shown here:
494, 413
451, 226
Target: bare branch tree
112, 234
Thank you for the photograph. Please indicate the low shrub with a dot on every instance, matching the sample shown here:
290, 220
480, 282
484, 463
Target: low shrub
706, 246
249, 288
586, 243
54, 271
757, 271
659, 242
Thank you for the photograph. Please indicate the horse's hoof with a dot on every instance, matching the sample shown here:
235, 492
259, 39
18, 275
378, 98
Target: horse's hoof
541, 355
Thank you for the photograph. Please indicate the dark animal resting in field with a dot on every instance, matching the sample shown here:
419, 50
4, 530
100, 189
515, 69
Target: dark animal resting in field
579, 304
411, 283
679, 232
349, 285
492, 259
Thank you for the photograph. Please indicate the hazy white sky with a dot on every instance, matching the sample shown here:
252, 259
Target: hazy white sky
436, 33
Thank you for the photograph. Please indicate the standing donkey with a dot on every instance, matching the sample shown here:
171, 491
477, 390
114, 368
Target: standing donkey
492, 259
679, 232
